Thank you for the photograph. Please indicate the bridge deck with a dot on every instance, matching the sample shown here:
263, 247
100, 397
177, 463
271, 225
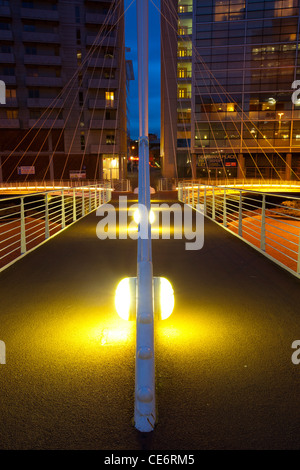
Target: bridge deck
224, 374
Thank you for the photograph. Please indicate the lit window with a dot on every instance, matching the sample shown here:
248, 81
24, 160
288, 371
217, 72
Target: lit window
110, 139
11, 93
82, 140
12, 114
230, 107
109, 97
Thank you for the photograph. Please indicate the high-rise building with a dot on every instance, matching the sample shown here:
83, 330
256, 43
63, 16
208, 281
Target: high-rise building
241, 121
63, 64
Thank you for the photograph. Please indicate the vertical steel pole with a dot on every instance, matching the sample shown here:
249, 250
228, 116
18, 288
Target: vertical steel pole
224, 209
213, 204
63, 214
82, 204
298, 263
263, 225
47, 232
23, 228
90, 200
145, 409
74, 205
240, 215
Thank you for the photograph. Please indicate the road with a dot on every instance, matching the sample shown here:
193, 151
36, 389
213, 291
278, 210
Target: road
224, 375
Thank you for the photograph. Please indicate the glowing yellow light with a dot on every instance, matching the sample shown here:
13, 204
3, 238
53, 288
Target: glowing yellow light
151, 217
167, 299
123, 299
137, 217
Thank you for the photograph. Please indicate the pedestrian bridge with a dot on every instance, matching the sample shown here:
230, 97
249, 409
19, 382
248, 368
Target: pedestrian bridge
223, 358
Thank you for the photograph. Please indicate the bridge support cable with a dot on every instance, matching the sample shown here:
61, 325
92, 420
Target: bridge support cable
216, 89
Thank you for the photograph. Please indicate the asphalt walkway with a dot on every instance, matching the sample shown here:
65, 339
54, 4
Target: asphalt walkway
224, 375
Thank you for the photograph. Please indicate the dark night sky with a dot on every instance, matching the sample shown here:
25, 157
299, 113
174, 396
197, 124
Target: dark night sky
154, 67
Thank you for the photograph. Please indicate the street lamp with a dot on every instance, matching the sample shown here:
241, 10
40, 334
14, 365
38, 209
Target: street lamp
126, 298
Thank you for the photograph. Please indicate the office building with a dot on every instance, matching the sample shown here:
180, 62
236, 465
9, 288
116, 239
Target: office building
235, 116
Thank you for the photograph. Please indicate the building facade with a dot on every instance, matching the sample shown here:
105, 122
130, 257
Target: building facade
243, 122
63, 65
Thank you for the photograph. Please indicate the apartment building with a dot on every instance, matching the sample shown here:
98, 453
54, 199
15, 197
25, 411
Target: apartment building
241, 121
63, 64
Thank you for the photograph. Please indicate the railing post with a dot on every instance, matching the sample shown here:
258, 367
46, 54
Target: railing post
95, 202
193, 196
47, 232
90, 200
74, 205
82, 205
298, 263
213, 204
23, 228
100, 192
204, 201
63, 215
240, 215
224, 209
263, 225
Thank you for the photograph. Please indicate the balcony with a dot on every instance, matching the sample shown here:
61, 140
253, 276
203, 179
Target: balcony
8, 79
12, 103
183, 9
185, 31
7, 58
97, 18
103, 104
6, 35
44, 103
36, 14
9, 123
46, 123
5, 11
184, 77
101, 41
186, 96
102, 62
40, 37
44, 81
184, 54
42, 59
103, 124
103, 83
108, 149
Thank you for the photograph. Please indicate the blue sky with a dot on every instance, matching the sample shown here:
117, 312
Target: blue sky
154, 68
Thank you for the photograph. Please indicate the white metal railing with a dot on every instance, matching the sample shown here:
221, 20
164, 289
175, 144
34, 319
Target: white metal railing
116, 185
30, 219
246, 182
268, 222
167, 184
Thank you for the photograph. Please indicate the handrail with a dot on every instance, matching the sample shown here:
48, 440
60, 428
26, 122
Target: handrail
45, 213
268, 222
